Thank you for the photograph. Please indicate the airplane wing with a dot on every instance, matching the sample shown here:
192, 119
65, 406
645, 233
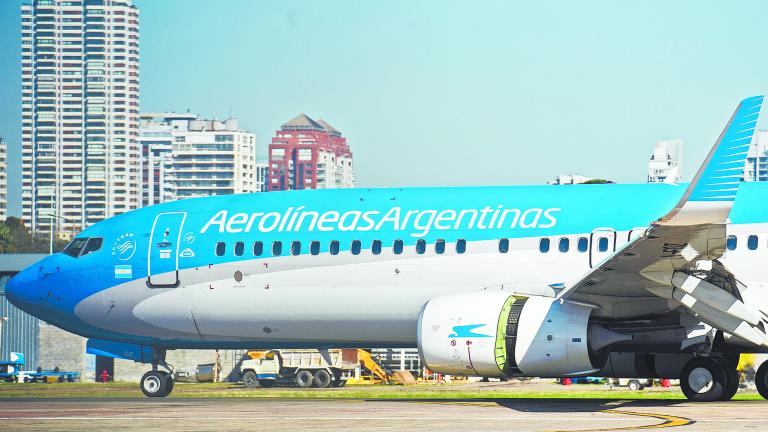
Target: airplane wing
674, 264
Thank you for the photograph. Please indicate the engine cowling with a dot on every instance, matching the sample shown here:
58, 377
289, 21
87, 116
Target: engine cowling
494, 333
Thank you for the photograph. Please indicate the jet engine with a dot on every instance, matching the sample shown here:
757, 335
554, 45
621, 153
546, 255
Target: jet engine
495, 333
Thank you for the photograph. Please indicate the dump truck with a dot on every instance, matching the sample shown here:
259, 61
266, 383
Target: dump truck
303, 368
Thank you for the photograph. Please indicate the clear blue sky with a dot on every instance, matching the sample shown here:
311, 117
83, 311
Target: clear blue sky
449, 92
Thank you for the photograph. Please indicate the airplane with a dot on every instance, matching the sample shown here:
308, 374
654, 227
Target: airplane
613, 280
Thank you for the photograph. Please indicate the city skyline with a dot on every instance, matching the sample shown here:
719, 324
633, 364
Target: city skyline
454, 86
80, 109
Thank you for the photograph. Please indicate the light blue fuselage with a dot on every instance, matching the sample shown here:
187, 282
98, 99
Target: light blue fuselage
158, 279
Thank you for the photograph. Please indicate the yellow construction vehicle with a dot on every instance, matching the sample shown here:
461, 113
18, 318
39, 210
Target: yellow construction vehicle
376, 375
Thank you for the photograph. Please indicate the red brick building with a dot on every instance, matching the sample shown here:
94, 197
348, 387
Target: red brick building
309, 154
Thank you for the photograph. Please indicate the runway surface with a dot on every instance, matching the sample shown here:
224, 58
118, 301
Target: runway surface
231, 414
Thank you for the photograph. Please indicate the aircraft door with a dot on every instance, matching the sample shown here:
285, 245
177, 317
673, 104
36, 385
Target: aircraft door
163, 254
602, 243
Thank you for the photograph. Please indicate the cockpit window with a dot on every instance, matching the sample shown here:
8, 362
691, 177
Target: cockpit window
76, 246
94, 244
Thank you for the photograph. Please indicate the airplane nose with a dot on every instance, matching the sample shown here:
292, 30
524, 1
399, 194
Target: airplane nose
21, 291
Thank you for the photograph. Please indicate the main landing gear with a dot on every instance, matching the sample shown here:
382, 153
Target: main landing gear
710, 379
158, 383
761, 380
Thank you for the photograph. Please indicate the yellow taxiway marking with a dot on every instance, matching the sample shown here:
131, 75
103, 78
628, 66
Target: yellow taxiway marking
668, 421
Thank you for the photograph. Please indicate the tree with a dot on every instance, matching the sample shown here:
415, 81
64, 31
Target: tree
598, 181
16, 238
6, 245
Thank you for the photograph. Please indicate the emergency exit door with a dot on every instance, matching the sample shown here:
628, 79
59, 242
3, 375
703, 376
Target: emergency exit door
602, 244
163, 255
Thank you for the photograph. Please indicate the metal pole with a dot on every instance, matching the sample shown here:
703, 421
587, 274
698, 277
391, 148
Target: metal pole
2, 321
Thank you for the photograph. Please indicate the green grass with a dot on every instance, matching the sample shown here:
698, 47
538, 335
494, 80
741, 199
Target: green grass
422, 391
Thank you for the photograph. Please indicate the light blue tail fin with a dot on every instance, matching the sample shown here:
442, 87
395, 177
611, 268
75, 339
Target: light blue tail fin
710, 195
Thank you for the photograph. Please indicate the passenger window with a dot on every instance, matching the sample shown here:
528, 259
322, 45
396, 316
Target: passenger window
397, 247
544, 245
731, 242
421, 246
376, 247
439, 246
221, 247
334, 247
295, 248
602, 244
258, 248
277, 248
74, 247
583, 244
461, 246
239, 248
563, 245
751, 243
314, 247
504, 245
93, 245
355, 247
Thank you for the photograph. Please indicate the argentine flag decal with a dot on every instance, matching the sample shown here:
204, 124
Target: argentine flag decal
123, 271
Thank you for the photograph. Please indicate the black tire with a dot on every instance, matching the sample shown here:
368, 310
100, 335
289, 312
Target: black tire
634, 385
250, 380
304, 378
168, 380
703, 380
322, 378
156, 384
731, 379
761, 380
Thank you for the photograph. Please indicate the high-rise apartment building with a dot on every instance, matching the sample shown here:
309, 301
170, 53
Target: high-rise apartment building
3, 180
756, 168
309, 154
666, 163
184, 156
80, 107
262, 176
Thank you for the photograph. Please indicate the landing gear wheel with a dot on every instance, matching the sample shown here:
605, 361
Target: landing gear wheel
304, 378
169, 381
634, 385
156, 384
322, 378
703, 380
761, 380
731, 379
250, 380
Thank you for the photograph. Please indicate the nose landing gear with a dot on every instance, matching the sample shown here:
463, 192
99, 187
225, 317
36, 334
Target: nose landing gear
158, 383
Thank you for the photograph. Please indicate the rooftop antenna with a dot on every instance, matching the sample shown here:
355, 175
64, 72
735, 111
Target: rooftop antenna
230, 110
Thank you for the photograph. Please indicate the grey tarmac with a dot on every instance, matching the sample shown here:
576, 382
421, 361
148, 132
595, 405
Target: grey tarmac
235, 414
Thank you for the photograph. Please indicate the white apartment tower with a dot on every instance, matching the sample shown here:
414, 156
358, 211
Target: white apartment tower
756, 168
665, 165
80, 102
184, 156
3, 180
